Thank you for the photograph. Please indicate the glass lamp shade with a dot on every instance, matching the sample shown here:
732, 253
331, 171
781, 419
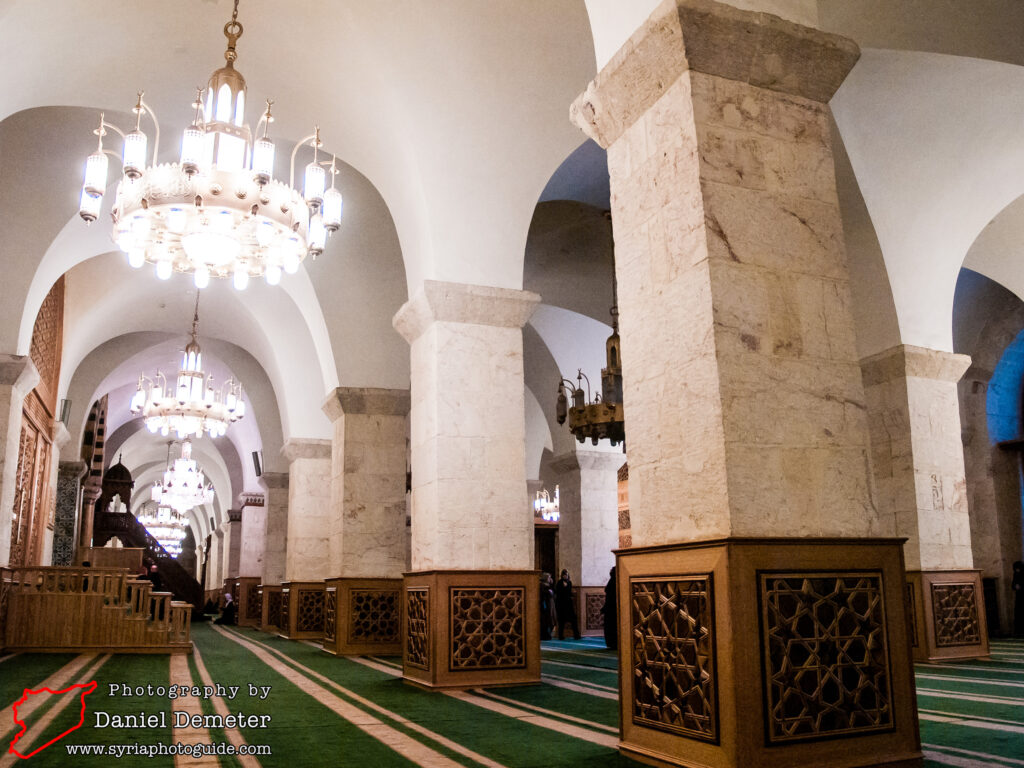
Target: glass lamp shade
136, 257
263, 161
134, 157
164, 269
230, 152
96, 174
201, 277
315, 180
332, 209
317, 235
241, 279
273, 274
89, 207
192, 149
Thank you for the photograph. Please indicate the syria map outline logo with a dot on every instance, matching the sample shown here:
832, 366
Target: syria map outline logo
87, 688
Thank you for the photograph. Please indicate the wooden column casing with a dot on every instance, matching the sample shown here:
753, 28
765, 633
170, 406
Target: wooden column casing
363, 616
302, 610
250, 608
758, 619
947, 615
464, 629
270, 621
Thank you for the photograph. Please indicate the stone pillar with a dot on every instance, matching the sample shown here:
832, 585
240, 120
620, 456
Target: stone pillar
17, 378
69, 494
232, 544
368, 465
745, 406
215, 570
275, 537
309, 509
918, 461
254, 528
469, 505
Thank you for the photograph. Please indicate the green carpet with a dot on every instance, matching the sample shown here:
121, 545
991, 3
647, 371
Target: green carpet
328, 712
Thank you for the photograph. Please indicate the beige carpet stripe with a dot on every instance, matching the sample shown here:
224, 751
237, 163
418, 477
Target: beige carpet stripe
234, 735
8, 657
26, 742
972, 723
541, 710
955, 760
1012, 701
560, 683
580, 666
587, 683
181, 676
384, 667
433, 736
966, 716
54, 682
404, 744
602, 739
972, 753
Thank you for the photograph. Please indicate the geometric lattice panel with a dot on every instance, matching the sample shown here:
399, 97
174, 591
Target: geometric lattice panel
673, 655
253, 603
955, 608
283, 607
826, 655
594, 611
310, 617
64, 522
330, 615
417, 641
912, 614
373, 616
488, 628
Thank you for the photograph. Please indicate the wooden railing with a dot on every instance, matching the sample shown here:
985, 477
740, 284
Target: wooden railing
52, 609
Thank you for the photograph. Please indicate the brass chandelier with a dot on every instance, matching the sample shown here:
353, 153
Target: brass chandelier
596, 416
218, 211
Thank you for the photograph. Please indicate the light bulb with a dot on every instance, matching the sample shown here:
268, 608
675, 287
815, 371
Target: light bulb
273, 274
164, 269
137, 257
263, 161
264, 232
201, 277
241, 279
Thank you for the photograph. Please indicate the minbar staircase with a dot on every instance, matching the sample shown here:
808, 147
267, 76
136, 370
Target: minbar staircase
134, 534
54, 609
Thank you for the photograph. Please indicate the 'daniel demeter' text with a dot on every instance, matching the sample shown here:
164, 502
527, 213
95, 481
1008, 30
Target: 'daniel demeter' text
179, 720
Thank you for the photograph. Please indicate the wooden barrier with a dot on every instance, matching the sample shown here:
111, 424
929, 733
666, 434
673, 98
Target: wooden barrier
271, 619
247, 596
302, 610
54, 610
113, 557
363, 616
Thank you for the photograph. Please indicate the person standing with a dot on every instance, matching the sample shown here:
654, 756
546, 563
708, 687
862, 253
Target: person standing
610, 611
547, 605
565, 607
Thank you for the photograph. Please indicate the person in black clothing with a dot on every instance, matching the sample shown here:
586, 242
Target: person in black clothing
154, 576
611, 623
565, 607
547, 599
229, 612
1018, 598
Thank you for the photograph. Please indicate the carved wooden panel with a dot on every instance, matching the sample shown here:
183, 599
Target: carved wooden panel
417, 641
280, 618
826, 655
310, 616
912, 615
330, 614
673, 655
594, 617
24, 492
955, 611
488, 628
373, 616
45, 349
253, 603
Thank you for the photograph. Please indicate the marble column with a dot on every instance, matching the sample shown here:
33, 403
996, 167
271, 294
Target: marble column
69, 495
275, 537
748, 439
469, 505
368, 464
17, 378
309, 509
254, 528
232, 543
588, 526
918, 462
215, 570
993, 490
472, 524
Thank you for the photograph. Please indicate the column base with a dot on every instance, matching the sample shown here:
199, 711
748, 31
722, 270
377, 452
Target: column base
464, 629
302, 610
947, 612
250, 609
764, 652
363, 616
270, 621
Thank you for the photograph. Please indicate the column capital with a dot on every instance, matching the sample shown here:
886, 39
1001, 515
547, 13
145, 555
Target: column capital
588, 460
72, 469
306, 448
275, 479
18, 371
463, 303
715, 39
234, 515
906, 360
369, 401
